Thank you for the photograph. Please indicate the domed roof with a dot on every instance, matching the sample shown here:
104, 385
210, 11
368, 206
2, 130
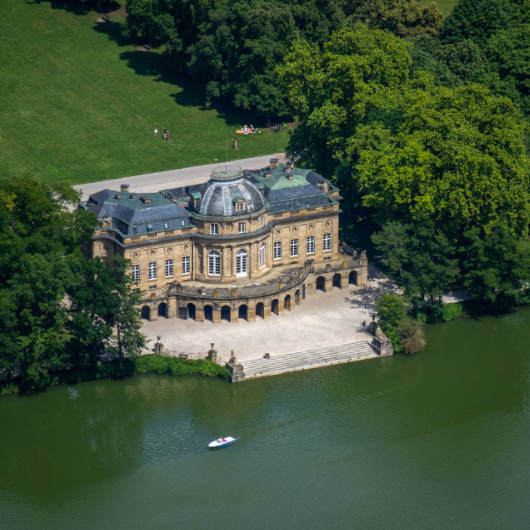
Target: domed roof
230, 193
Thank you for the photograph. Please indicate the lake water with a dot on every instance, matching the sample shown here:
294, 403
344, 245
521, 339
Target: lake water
438, 440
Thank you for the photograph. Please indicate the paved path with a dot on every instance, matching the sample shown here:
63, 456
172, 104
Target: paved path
321, 320
152, 182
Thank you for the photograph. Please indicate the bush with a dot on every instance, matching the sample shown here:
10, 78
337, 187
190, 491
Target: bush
160, 364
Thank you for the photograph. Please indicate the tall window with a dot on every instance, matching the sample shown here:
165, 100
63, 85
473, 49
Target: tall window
136, 273
241, 228
214, 263
327, 242
169, 268
294, 248
277, 254
262, 255
186, 265
262, 220
241, 263
214, 228
311, 245
152, 270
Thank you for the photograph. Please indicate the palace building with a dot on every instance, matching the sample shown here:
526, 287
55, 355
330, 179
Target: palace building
243, 245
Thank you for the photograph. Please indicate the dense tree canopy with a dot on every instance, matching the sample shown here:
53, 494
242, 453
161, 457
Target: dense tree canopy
358, 75
59, 310
437, 170
485, 41
233, 48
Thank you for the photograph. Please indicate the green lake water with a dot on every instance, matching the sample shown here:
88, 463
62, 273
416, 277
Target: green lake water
439, 440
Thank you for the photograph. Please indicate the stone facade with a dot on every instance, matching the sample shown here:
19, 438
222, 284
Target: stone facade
244, 245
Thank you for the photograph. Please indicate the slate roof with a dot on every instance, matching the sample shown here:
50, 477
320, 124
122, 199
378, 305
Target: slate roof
300, 191
284, 188
132, 216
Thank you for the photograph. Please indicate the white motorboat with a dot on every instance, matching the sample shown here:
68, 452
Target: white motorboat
222, 442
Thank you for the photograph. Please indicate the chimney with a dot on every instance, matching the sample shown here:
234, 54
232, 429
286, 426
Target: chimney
124, 187
145, 200
323, 186
288, 173
273, 163
117, 196
132, 196
290, 164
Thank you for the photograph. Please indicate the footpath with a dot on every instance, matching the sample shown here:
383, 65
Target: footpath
153, 182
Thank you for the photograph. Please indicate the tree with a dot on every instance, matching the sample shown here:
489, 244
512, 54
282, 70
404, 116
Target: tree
411, 335
38, 233
508, 52
358, 75
60, 310
419, 258
458, 158
480, 19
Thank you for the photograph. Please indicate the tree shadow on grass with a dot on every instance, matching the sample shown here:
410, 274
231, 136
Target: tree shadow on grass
164, 68
79, 7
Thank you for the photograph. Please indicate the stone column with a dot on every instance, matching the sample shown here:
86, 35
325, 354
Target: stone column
251, 312
172, 308
216, 314
329, 284
153, 313
267, 309
199, 313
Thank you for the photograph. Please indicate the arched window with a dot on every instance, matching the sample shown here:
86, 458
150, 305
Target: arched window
214, 263
241, 263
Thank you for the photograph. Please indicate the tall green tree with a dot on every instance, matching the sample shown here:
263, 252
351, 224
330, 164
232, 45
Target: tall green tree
358, 76
39, 229
60, 310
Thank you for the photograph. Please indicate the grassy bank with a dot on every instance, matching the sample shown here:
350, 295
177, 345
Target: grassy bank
145, 364
79, 103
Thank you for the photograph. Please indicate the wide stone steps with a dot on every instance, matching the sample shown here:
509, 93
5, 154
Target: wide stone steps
305, 360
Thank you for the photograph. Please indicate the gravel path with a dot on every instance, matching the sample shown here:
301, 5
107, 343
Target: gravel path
153, 182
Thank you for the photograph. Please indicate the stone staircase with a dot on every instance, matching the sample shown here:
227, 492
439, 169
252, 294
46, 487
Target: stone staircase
305, 360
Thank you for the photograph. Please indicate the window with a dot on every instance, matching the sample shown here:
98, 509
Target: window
311, 245
136, 273
294, 248
186, 265
169, 268
327, 242
241, 263
214, 263
240, 206
166, 225
152, 270
262, 256
149, 227
241, 228
277, 254
214, 228
262, 220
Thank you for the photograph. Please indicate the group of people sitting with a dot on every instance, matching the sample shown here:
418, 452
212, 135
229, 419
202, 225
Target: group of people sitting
248, 129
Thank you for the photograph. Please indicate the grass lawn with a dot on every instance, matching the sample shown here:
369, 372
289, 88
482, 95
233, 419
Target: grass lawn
79, 104
446, 6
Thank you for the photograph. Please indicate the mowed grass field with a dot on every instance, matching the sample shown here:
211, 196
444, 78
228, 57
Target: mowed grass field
80, 104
